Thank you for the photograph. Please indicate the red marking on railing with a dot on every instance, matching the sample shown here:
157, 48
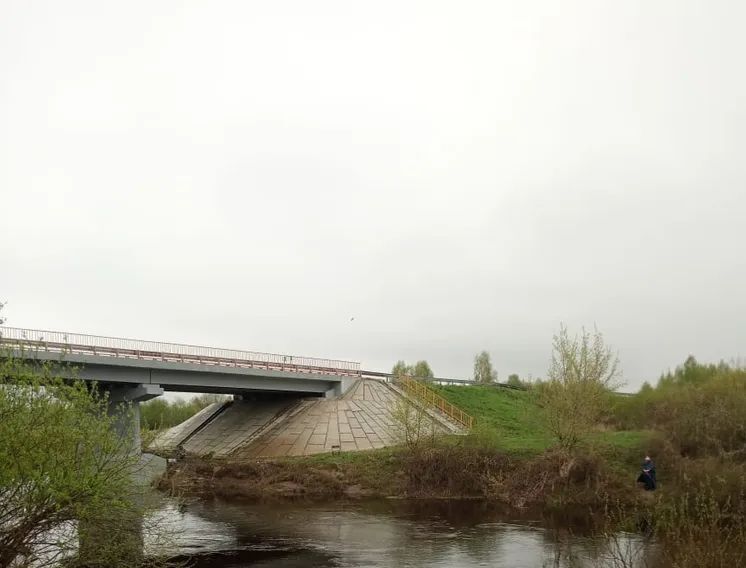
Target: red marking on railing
76, 343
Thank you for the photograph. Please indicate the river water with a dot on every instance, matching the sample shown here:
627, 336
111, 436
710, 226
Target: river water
386, 533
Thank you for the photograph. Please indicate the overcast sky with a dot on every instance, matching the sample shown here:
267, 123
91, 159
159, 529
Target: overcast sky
455, 176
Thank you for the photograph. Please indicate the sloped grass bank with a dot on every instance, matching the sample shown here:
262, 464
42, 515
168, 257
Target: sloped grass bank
512, 421
508, 457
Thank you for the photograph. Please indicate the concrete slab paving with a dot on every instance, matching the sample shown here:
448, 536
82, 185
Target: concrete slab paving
361, 420
169, 440
234, 427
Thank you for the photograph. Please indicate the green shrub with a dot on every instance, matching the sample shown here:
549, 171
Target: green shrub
700, 409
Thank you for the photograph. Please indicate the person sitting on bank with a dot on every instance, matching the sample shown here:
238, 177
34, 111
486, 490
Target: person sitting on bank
647, 475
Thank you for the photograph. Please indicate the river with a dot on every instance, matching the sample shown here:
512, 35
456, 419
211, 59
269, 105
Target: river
386, 533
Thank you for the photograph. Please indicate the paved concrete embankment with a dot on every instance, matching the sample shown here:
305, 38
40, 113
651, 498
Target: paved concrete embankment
360, 420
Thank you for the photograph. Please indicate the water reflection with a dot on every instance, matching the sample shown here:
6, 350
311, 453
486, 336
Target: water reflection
385, 533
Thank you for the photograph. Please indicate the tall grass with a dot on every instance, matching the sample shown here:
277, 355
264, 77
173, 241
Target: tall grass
698, 414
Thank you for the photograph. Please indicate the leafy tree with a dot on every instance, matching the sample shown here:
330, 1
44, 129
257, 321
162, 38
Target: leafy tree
583, 370
61, 461
515, 381
401, 369
483, 371
422, 370
699, 407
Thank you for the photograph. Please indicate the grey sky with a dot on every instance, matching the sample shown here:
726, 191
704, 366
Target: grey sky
456, 176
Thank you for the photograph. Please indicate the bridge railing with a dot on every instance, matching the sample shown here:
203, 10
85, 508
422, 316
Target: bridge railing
78, 343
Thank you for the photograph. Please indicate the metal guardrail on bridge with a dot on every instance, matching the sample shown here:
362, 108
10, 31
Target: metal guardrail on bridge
78, 343
441, 381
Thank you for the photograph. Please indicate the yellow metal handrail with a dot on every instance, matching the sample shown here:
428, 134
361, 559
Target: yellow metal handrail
427, 395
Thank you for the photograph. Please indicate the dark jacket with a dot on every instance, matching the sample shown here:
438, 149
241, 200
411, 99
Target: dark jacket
647, 475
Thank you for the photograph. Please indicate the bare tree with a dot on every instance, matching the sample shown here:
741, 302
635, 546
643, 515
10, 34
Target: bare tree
412, 425
583, 370
483, 371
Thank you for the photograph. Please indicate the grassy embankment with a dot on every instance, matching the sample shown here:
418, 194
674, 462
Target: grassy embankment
693, 423
508, 457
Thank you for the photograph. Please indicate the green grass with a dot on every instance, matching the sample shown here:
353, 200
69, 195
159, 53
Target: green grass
625, 439
506, 420
342, 458
510, 416
509, 424
375, 470
513, 421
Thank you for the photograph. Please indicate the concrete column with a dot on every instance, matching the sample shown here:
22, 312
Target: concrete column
122, 536
124, 405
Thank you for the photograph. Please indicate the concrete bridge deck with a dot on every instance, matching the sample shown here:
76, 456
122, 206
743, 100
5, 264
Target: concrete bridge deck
177, 367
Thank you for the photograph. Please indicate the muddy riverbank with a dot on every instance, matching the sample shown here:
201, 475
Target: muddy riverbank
551, 479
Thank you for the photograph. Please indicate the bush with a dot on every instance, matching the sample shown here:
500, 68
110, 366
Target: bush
452, 470
706, 418
698, 529
583, 371
700, 409
411, 426
63, 462
516, 382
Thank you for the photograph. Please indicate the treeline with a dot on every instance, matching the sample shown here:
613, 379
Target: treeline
160, 413
697, 418
484, 372
700, 408
692, 423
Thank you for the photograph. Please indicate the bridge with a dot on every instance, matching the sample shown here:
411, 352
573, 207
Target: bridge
269, 389
178, 367
133, 371
277, 406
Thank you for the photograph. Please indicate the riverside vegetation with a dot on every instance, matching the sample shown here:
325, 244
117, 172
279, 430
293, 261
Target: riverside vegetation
567, 443
66, 471
68, 495
62, 466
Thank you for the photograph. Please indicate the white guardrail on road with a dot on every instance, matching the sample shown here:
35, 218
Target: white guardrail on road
78, 343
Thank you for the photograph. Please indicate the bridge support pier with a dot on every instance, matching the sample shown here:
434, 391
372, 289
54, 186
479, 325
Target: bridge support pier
124, 406
120, 540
